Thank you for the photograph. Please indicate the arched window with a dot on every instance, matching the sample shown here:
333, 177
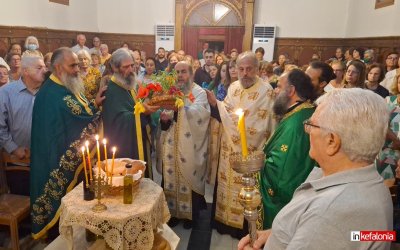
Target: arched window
213, 14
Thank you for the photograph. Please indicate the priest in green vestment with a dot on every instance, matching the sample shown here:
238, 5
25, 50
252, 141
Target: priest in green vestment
287, 163
62, 120
118, 117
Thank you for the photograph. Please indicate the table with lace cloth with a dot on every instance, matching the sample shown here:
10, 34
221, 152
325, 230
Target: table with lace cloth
123, 226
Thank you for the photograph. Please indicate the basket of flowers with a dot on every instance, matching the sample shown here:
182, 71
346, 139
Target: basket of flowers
163, 91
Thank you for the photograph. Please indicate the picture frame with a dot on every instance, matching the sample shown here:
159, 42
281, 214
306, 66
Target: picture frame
65, 2
383, 3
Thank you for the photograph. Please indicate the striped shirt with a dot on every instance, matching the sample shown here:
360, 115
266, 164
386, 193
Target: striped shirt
16, 105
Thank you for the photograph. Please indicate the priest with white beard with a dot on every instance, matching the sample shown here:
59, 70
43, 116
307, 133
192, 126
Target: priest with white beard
184, 150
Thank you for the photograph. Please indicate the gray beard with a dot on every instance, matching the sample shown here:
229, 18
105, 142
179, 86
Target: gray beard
185, 88
248, 83
280, 106
73, 83
128, 83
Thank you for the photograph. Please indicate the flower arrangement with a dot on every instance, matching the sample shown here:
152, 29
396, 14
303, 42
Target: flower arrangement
163, 91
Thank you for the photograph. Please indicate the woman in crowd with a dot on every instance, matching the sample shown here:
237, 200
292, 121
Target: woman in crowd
90, 76
96, 62
32, 47
338, 69
374, 77
355, 75
386, 161
232, 71
3, 75
14, 61
358, 54
150, 69
213, 70
173, 59
196, 65
220, 58
266, 72
104, 53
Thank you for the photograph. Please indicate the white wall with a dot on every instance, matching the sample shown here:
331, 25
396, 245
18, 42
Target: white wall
294, 18
79, 15
116, 16
134, 16
304, 18
366, 21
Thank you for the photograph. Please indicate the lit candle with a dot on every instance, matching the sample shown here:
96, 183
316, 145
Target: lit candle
114, 149
88, 157
84, 165
105, 154
242, 132
98, 152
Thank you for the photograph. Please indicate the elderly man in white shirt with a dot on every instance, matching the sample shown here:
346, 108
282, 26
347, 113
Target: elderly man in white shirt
346, 193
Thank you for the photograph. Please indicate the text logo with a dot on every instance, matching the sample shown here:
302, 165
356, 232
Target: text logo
373, 235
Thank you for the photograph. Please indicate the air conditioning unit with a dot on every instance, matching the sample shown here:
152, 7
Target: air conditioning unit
264, 36
165, 36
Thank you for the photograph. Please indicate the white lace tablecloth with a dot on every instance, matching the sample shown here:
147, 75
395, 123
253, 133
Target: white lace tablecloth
123, 226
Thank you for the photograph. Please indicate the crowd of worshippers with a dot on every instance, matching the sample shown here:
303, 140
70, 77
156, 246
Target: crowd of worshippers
329, 132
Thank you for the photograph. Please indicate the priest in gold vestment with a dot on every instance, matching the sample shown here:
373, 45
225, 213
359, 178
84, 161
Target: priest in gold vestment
255, 97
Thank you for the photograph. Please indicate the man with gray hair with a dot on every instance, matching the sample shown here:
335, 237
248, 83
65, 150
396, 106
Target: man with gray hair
62, 120
16, 105
255, 99
184, 160
80, 43
346, 194
118, 117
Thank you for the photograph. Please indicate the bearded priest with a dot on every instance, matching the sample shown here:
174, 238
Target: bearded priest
118, 111
62, 121
184, 150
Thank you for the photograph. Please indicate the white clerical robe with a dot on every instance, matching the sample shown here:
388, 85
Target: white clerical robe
260, 121
185, 153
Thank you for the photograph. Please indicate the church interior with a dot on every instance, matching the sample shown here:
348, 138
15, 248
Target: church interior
302, 31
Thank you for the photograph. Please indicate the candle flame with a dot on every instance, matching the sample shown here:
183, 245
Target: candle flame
83, 149
87, 143
97, 137
239, 112
114, 149
104, 141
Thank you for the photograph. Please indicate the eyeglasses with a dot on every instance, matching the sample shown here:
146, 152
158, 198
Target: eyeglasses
307, 126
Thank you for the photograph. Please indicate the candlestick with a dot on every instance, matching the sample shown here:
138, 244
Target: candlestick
88, 157
242, 132
105, 155
114, 149
84, 166
98, 152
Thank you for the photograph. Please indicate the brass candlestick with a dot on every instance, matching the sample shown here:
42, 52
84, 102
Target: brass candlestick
99, 185
249, 196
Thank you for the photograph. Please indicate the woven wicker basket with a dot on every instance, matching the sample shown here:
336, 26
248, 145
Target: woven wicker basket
117, 188
164, 101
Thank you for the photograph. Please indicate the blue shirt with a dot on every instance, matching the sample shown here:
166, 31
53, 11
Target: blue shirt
16, 105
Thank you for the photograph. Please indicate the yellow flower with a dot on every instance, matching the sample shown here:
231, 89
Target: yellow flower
179, 103
139, 108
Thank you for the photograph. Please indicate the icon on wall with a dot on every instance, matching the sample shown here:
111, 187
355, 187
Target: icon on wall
383, 3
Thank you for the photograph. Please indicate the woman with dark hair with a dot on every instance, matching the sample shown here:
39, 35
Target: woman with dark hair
358, 54
374, 76
221, 82
233, 71
150, 69
355, 75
